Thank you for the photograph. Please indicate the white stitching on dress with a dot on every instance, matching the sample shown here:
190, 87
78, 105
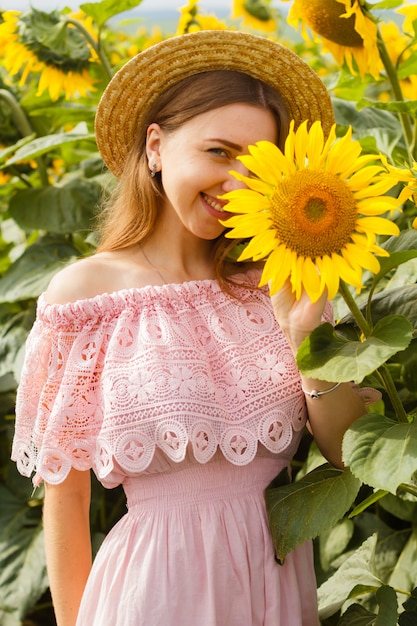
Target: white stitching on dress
109, 379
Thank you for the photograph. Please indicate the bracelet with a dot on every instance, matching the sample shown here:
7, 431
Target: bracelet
315, 395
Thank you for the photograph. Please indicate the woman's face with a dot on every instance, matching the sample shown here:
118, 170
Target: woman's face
196, 160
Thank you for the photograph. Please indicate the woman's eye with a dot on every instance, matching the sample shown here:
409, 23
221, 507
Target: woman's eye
220, 152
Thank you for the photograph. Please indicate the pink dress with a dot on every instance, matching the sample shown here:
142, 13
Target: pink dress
191, 400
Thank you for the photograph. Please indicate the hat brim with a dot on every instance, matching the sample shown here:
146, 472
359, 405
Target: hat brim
125, 102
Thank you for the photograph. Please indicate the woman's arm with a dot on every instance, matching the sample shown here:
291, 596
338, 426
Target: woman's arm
66, 519
331, 414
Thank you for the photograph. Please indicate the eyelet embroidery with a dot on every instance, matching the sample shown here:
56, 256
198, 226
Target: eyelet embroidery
167, 366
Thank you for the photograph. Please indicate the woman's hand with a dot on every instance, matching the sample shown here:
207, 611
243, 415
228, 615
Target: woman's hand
297, 318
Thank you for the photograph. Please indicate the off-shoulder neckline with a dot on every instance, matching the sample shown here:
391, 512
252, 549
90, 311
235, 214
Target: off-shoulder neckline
248, 279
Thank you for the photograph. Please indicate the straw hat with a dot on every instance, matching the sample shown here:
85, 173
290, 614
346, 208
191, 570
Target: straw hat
137, 85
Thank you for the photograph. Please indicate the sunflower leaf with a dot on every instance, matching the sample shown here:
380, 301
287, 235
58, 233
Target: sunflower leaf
401, 249
359, 566
102, 11
381, 452
326, 355
65, 209
31, 272
329, 493
42, 145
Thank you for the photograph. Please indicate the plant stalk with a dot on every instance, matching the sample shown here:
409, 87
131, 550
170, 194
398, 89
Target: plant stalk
94, 44
23, 126
383, 371
396, 88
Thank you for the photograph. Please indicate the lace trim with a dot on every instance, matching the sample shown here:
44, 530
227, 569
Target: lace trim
108, 380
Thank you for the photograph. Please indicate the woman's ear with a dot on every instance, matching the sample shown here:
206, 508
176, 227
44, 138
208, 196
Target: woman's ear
153, 142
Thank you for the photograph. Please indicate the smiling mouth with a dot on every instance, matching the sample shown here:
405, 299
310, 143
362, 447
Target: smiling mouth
214, 203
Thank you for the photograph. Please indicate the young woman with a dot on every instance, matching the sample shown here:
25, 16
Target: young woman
158, 363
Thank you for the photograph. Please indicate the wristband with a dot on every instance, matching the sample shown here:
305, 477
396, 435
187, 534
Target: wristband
315, 395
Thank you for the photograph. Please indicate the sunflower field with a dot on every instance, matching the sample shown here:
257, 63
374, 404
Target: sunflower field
53, 68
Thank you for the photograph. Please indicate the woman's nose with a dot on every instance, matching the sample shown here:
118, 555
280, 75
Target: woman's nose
231, 183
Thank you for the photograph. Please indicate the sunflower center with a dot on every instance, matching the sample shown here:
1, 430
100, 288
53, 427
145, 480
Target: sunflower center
314, 213
323, 16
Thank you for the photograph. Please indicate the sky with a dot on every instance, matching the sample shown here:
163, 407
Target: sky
147, 5
151, 5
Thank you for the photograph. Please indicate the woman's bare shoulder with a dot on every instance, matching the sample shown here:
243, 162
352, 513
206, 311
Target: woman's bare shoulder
86, 278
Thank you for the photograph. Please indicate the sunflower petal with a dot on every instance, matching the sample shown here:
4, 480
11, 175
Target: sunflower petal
378, 225
366, 259
277, 269
328, 275
311, 280
347, 273
259, 246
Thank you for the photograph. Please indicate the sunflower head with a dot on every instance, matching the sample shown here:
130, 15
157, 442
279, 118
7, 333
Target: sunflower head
346, 29
50, 39
313, 211
192, 21
256, 14
44, 43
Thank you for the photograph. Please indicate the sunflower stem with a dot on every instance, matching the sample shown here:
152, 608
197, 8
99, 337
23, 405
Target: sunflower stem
94, 44
23, 126
392, 392
383, 371
397, 91
363, 324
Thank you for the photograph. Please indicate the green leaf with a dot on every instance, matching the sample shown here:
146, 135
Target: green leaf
53, 43
326, 355
408, 67
357, 615
367, 502
399, 301
12, 336
31, 273
60, 209
334, 542
388, 606
10, 149
406, 240
378, 130
399, 106
403, 509
404, 574
409, 617
101, 12
354, 576
41, 145
22, 559
387, 4
401, 249
381, 452
304, 509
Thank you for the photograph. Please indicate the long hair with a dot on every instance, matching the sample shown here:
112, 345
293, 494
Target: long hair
129, 214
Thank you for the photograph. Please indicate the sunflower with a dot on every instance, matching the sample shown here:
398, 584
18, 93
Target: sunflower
312, 211
26, 49
256, 14
345, 29
191, 20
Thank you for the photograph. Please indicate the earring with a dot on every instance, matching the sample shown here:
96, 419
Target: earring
154, 169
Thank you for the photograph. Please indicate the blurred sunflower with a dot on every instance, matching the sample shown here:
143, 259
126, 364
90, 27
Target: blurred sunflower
410, 12
345, 29
191, 20
399, 50
312, 211
4, 178
256, 14
37, 42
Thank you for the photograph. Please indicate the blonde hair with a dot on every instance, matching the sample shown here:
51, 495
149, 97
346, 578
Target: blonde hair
129, 214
